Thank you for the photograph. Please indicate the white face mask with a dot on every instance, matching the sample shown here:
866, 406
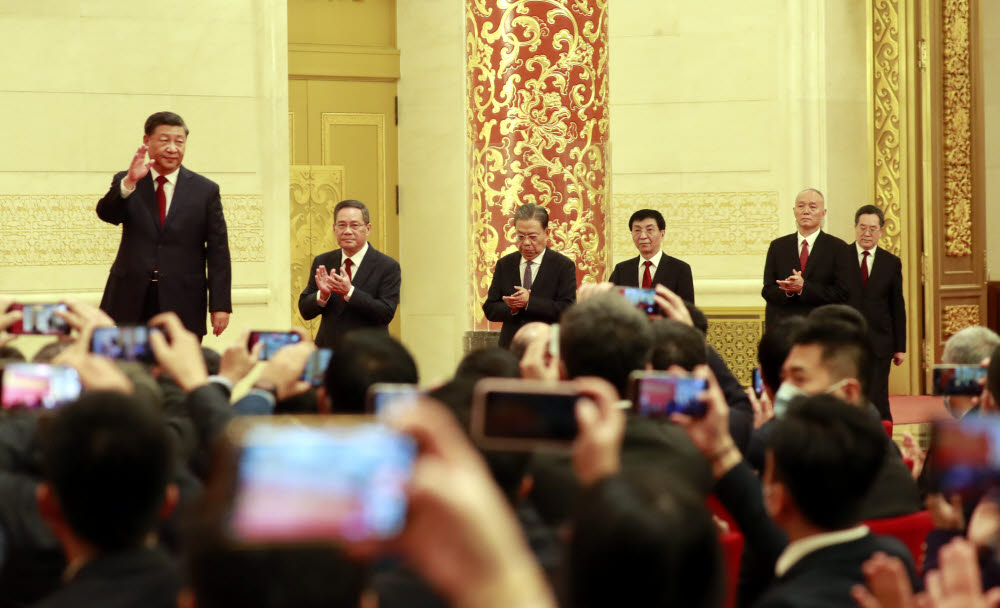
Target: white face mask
787, 392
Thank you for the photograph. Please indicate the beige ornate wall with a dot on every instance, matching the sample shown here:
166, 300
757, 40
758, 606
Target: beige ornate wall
86, 76
989, 32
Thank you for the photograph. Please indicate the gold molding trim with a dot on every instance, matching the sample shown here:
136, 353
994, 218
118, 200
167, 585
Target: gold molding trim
702, 223
957, 128
330, 119
61, 229
959, 316
734, 333
291, 138
888, 84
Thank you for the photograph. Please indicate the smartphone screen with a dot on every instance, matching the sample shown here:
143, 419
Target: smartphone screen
309, 483
316, 366
641, 298
966, 456
958, 379
524, 415
758, 382
128, 342
38, 386
39, 319
660, 394
382, 397
272, 340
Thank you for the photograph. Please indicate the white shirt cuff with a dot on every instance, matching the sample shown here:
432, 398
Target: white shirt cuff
226, 382
320, 300
350, 292
125, 191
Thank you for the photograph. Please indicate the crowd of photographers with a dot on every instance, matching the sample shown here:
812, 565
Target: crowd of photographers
120, 498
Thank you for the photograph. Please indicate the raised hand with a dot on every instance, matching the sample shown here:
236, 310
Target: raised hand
138, 169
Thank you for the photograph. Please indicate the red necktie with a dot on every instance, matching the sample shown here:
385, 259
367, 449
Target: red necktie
647, 280
161, 197
804, 256
864, 267
347, 268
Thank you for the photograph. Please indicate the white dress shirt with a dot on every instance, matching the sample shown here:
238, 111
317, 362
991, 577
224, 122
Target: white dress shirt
811, 239
657, 257
356, 259
797, 550
168, 186
535, 265
871, 257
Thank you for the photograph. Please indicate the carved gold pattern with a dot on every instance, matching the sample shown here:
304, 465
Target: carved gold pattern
57, 229
957, 85
887, 90
701, 223
735, 337
537, 82
313, 193
959, 316
332, 119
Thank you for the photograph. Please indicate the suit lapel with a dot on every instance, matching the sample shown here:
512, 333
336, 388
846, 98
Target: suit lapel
875, 271
793, 252
147, 192
630, 269
818, 248
660, 276
543, 270
365, 269
181, 189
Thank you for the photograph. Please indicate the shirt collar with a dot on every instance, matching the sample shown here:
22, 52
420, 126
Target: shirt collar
796, 551
357, 257
171, 177
811, 239
871, 252
655, 259
538, 259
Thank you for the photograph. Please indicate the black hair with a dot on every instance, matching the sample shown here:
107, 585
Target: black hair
606, 337
213, 360
108, 458
50, 351
846, 351
827, 453
164, 118
352, 204
643, 539
870, 210
363, 358
11, 353
645, 214
774, 347
993, 376
488, 362
531, 211
842, 313
698, 318
675, 343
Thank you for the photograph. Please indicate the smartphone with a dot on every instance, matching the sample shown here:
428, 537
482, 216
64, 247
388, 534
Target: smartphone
958, 379
641, 299
331, 478
660, 394
37, 386
316, 366
384, 396
128, 342
272, 340
39, 319
758, 382
966, 456
510, 414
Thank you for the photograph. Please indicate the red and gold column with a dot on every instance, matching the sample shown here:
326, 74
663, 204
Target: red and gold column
537, 85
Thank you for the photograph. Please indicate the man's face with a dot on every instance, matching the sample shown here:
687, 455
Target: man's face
647, 236
350, 229
809, 211
868, 230
531, 239
166, 147
804, 368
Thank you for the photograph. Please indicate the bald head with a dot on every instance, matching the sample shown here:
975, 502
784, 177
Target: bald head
529, 332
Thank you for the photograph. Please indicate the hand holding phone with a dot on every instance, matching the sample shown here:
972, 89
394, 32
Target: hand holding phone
758, 382
127, 342
272, 341
37, 386
39, 320
385, 397
316, 366
966, 456
643, 299
524, 415
959, 379
660, 394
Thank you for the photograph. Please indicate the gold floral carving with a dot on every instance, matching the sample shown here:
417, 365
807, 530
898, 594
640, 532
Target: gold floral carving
313, 193
887, 67
735, 337
959, 316
957, 85
57, 229
702, 223
537, 82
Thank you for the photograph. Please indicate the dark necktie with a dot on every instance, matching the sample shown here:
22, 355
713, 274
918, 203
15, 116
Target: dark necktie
864, 267
161, 197
804, 256
347, 268
647, 280
526, 281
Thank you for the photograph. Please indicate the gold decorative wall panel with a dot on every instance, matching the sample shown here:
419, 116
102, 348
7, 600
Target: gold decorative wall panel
957, 131
60, 229
702, 223
887, 124
735, 333
537, 85
959, 316
313, 193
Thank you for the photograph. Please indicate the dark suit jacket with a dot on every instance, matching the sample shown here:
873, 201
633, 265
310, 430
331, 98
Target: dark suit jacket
138, 577
372, 305
672, 273
192, 237
553, 290
825, 278
880, 301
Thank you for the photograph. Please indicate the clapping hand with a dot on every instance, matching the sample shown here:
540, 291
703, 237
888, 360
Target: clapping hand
519, 300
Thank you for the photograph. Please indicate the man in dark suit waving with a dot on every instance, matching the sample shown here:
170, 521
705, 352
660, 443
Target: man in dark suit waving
657, 268
172, 228
806, 269
361, 287
876, 290
533, 283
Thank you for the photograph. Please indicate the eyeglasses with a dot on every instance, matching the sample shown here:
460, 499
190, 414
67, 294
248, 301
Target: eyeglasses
647, 231
355, 226
868, 229
531, 237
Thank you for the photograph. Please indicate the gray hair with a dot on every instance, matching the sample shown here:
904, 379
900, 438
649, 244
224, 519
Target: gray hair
354, 205
531, 211
970, 346
816, 190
